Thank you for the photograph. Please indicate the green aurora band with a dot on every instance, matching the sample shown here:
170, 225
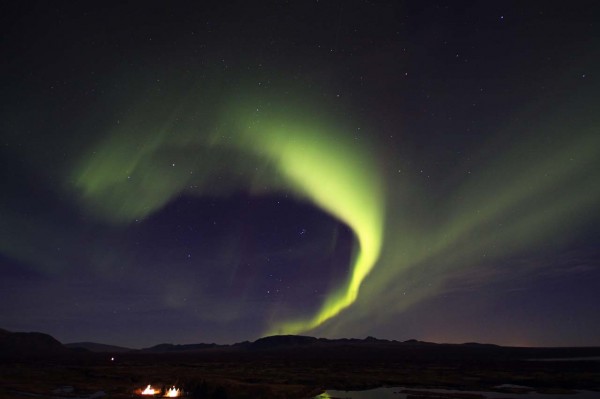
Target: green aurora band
131, 174
539, 190
413, 242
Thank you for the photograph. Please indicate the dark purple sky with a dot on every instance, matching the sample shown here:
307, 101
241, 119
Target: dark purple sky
479, 119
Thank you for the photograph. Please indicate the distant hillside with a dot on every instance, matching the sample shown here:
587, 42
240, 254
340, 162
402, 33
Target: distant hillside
20, 345
29, 344
162, 348
279, 341
99, 348
283, 342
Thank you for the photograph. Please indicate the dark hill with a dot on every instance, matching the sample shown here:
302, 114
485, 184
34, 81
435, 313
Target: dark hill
281, 341
29, 344
99, 348
37, 345
162, 348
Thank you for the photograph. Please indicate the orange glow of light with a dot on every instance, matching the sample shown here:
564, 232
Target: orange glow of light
149, 391
173, 393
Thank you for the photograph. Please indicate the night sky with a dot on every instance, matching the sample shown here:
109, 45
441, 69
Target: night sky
221, 171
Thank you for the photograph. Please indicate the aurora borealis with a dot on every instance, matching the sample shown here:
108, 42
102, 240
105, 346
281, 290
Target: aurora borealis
122, 182
224, 171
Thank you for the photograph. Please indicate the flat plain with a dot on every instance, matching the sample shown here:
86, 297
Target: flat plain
298, 367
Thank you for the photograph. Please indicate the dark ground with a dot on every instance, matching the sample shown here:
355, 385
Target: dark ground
298, 368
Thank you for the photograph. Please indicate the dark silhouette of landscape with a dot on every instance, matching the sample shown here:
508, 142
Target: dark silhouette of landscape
283, 367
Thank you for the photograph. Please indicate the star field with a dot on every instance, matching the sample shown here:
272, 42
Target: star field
220, 171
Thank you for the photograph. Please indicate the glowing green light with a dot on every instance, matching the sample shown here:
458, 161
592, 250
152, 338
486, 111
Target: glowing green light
130, 175
340, 179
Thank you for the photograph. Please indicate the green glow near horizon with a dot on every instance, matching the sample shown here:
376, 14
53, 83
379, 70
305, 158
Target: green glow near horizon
535, 188
129, 176
537, 192
341, 180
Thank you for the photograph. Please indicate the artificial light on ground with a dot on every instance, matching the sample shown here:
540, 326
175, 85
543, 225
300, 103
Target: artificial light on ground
149, 391
173, 393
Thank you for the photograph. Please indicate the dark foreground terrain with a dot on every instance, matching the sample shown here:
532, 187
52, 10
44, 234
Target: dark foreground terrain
36, 365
